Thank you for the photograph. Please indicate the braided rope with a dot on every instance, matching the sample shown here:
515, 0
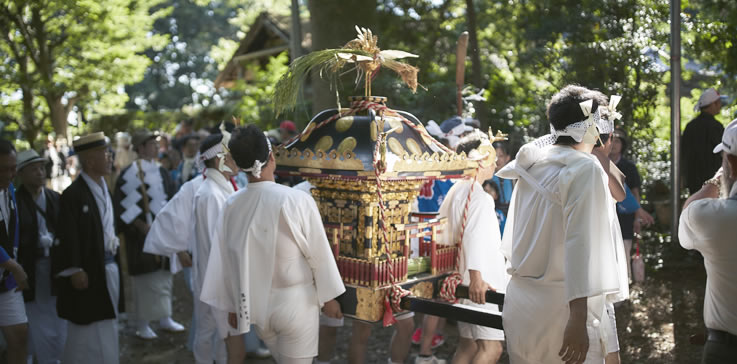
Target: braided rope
395, 294
450, 283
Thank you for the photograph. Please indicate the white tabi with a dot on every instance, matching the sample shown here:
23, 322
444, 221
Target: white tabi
97, 343
209, 201
172, 231
481, 243
272, 265
560, 247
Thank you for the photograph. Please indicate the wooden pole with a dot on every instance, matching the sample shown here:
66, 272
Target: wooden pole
675, 116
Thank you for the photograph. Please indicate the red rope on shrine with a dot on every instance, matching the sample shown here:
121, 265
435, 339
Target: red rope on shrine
450, 283
395, 294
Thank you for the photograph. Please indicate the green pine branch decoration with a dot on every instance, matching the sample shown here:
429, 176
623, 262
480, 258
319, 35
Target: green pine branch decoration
290, 84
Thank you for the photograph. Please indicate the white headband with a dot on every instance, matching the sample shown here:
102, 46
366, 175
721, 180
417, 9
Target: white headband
212, 152
255, 170
581, 131
606, 125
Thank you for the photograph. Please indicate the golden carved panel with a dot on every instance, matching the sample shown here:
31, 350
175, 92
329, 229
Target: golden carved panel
370, 305
422, 290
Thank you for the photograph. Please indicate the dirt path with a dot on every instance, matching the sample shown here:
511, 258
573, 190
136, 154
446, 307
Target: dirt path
654, 326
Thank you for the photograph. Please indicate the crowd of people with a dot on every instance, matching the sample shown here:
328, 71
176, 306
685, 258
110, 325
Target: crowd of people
552, 226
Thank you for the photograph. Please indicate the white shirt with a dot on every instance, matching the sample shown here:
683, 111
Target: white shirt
105, 206
173, 230
45, 237
209, 201
4, 207
709, 226
481, 238
560, 213
243, 266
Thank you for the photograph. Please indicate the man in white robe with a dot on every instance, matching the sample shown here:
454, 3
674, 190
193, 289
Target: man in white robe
166, 238
209, 201
558, 242
271, 264
482, 264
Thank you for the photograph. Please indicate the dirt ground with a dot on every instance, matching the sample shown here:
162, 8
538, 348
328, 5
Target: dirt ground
653, 326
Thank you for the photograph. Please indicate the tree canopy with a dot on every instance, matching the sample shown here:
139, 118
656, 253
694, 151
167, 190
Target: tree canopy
163, 56
59, 55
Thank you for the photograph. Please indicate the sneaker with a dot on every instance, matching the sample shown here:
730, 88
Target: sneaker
437, 340
145, 332
170, 325
417, 336
429, 360
260, 353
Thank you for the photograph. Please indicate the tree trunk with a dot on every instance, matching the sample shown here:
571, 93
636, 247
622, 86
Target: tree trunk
29, 126
58, 113
333, 25
477, 79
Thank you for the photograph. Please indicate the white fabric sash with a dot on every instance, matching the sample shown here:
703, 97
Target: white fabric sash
154, 190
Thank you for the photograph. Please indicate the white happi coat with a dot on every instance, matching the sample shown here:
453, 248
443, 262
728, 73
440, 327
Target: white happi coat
209, 201
559, 244
172, 230
240, 273
481, 238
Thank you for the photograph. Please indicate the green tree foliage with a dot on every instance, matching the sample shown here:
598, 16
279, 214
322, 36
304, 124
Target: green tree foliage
72, 55
254, 97
181, 73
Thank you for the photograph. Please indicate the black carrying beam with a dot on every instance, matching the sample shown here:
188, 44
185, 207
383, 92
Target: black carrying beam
491, 296
452, 312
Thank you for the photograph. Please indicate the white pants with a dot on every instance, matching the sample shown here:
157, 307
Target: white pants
208, 343
477, 332
96, 343
152, 295
535, 317
12, 309
47, 333
293, 324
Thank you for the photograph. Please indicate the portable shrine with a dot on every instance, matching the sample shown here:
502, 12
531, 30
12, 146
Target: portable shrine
366, 164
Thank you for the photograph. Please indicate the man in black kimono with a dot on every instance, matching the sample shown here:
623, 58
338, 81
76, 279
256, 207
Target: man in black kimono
84, 262
38, 208
141, 191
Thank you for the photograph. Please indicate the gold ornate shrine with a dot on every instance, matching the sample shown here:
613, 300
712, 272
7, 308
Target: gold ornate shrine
367, 164
338, 153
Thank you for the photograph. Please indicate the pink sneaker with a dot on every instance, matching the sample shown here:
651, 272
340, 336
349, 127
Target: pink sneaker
437, 340
417, 336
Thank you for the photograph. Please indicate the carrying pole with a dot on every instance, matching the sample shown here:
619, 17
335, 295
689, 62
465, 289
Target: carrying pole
675, 116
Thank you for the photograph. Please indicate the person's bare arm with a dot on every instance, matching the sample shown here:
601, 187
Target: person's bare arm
710, 189
575, 337
616, 188
478, 287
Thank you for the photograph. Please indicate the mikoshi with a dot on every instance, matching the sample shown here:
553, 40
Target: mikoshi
367, 164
